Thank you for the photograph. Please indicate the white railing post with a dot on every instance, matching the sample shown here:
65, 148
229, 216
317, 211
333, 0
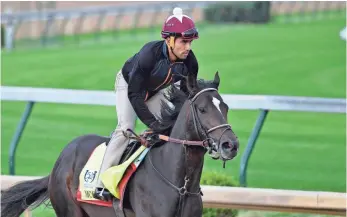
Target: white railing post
9, 29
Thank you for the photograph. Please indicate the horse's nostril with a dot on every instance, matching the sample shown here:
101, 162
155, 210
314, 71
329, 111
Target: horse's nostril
229, 145
234, 148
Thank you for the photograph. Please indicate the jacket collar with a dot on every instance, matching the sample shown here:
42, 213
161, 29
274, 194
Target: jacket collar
165, 51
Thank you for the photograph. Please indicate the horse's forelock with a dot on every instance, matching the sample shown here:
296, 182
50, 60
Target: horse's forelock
200, 85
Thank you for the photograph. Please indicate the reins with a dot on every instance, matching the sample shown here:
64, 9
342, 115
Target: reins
145, 139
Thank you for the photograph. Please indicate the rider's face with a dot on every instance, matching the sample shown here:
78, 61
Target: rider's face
182, 47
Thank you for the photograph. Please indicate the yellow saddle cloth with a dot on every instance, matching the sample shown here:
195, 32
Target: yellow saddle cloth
111, 177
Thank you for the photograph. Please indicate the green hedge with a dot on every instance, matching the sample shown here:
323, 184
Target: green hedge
2, 36
217, 179
253, 12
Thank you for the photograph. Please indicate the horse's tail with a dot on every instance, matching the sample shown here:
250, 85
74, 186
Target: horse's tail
16, 199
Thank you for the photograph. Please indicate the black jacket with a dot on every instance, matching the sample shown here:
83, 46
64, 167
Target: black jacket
149, 71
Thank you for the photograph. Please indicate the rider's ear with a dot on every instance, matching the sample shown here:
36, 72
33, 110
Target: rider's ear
216, 79
167, 41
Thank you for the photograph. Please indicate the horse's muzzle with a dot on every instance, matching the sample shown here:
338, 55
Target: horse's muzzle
229, 148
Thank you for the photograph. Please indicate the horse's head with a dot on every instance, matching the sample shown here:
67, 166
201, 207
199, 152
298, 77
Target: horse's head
199, 122
209, 118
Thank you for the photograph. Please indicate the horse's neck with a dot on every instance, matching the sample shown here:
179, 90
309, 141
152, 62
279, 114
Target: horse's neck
180, 160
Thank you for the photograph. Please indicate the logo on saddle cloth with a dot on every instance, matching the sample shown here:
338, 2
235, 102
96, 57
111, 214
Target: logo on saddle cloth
89, 176
114, 178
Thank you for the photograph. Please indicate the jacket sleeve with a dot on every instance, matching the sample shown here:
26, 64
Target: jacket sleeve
136, 87
193, 68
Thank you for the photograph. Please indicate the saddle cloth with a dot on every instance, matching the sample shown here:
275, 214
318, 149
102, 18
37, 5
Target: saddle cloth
115, 178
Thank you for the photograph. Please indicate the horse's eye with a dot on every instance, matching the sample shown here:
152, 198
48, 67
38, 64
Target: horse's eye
202, 109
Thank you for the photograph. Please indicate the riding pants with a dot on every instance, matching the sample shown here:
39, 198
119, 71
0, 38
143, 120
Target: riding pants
126, 120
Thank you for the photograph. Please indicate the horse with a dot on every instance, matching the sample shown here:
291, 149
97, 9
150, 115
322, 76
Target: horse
167, 183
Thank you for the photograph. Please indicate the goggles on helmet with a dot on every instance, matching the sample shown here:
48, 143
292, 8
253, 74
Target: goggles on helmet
190, 33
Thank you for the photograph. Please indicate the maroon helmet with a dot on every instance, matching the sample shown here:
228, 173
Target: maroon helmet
179, 25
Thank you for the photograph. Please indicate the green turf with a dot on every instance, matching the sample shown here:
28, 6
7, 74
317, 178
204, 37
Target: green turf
295, 150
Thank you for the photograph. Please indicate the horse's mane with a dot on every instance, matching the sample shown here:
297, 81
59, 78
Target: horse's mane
177, 97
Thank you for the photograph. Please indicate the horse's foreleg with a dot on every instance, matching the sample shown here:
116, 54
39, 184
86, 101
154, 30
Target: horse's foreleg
99, 211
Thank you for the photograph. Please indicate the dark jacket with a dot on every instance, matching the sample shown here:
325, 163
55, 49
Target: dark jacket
149, 71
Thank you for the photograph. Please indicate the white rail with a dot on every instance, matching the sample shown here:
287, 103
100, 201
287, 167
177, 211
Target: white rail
329, 203
234, 101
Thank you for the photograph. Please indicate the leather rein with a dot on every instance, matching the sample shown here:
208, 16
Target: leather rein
197, 126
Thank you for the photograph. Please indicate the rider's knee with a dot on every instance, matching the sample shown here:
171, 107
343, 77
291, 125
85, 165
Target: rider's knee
122, 128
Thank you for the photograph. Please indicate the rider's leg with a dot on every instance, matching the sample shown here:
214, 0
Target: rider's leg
126, 120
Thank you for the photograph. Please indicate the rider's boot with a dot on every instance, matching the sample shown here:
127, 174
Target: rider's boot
101, 193
113, 154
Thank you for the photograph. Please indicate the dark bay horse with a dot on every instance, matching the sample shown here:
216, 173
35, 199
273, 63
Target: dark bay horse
167, 183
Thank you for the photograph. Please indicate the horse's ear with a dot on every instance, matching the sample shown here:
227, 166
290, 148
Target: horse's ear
191, 82
216, 79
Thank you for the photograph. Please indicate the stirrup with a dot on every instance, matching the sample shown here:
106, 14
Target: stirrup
102, 194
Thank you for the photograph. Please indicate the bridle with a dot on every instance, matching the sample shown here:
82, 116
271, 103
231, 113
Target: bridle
200, 130
207, 143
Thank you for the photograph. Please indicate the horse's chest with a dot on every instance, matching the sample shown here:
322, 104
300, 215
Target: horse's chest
191, 206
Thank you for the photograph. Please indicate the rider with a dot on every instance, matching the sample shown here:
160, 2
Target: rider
141, 84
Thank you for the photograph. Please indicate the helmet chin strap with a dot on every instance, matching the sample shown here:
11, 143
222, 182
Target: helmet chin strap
172, 44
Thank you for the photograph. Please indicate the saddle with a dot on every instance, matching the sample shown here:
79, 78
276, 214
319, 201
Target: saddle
130, 150
148, 138
116, 177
